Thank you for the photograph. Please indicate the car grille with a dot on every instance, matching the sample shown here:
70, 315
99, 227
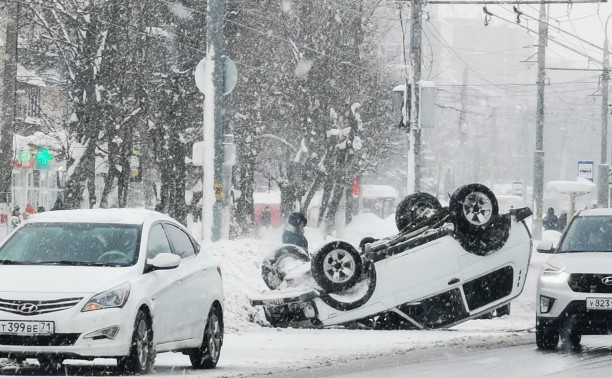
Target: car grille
29, 308
589, 283
60, 339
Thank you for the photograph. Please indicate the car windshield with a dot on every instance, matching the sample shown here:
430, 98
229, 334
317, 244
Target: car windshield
588, 234
72, 244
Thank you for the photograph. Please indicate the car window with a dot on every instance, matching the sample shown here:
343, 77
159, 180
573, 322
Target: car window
158, 242
73, 244
588, 234
180, 241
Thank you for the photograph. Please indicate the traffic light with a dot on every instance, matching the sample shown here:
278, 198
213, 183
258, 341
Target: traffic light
356, 188
43, 159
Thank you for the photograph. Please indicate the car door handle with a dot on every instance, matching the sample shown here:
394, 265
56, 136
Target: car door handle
453, 281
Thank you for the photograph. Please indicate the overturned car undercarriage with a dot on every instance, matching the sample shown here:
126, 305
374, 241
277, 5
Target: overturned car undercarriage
445, 266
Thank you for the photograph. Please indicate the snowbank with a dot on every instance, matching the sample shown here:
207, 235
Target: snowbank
240, 262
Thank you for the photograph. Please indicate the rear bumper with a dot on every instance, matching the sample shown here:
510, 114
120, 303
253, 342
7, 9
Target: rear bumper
576, 315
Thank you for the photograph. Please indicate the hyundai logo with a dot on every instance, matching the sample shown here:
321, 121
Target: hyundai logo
607, 280
30, 308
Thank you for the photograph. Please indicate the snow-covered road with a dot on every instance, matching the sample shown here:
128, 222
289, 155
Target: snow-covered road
290, 351
525, 361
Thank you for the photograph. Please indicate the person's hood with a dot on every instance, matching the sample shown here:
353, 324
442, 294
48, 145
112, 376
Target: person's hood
295, 230
583, 262
62, 279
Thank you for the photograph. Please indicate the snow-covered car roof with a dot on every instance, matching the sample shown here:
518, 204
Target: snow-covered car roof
118, 216
596, 212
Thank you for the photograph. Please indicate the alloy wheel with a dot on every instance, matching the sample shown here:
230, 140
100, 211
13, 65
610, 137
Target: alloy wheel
142, 342
339, 266
215, 337
477, 208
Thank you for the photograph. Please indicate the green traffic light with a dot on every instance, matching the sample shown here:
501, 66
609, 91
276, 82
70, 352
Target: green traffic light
43, 156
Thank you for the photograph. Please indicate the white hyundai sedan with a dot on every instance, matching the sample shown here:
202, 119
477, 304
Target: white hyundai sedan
119, 283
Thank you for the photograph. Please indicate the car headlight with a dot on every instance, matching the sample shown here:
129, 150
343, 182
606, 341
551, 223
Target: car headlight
554, 275
113, 298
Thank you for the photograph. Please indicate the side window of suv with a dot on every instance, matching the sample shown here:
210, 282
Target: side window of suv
158, 242
180, 241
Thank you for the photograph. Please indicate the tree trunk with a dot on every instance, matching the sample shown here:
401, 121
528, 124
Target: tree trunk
73, 197
9, 101
245, 207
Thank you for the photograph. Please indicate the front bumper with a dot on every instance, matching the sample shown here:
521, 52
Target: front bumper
71, 326
576, 316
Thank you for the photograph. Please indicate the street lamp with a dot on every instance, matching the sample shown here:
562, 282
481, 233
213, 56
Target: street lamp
602, 188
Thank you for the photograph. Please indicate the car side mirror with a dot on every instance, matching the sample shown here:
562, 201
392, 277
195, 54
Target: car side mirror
545, 246
163, 261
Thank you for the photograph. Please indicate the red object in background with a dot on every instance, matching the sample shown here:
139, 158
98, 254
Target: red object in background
3, 218
356, 188
275, 211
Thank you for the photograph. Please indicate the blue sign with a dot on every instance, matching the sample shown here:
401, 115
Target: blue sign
586, 170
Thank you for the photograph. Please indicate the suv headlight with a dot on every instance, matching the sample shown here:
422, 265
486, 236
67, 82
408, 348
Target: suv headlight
113, 298
554, 275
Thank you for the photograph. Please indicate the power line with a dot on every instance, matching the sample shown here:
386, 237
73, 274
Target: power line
443, 41
550, 38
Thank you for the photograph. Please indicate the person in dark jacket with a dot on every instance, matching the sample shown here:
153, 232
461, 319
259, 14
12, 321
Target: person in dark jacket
266, 217
550, 221
59, 205
294, 231
562, 220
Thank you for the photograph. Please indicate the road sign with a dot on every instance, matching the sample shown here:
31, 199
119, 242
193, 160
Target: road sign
586, 169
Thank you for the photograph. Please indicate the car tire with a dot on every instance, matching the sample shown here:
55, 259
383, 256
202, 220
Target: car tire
141, 357
546, 338
336, 266
207, 355
368, 274
270, 272
573, 339
570, 337
412, 207
473, 208
503, 310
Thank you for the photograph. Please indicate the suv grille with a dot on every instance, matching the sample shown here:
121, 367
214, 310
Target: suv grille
29, 308
589, 283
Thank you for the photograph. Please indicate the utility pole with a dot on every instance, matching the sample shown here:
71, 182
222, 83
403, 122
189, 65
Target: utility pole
9, 105
214, 116
493, 145
538, 161
463, 129
416, 17
602, 187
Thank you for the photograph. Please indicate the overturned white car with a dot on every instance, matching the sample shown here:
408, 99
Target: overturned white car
445, 266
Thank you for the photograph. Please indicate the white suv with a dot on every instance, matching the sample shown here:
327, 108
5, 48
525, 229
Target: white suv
574, 295
120, 283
